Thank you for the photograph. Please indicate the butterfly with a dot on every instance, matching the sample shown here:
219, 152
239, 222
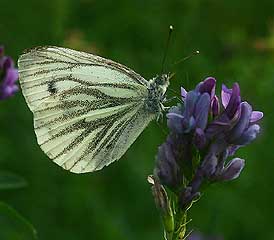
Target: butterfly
87, 110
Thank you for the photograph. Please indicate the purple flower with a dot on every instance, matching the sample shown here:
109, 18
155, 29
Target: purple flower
203, 135
237, 123
194, 113
231, 100
198, 236
167, 169
8, 76
187, 124
207, 86
228, 94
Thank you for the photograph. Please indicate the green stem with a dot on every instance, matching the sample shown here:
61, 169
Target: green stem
180, 225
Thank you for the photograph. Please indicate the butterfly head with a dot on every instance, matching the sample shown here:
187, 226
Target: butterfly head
162, 79
162, 82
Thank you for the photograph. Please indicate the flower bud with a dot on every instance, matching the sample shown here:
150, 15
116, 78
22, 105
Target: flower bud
234, 101
248, 135
232, 170
215, 106
163, 205
167, 169
183, 93
242, 123
208, 86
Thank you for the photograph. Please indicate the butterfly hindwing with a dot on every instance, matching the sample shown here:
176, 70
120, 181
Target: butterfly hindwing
87, 110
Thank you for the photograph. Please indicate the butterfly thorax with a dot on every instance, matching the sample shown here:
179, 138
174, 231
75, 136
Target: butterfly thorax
156, 93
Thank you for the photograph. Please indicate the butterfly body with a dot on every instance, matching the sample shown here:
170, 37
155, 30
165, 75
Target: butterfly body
156, 94
87, 110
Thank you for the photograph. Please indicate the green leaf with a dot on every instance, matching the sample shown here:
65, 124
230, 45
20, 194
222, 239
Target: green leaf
11, 181
13, 226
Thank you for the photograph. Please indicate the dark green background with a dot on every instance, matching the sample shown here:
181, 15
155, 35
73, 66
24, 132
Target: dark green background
236, 41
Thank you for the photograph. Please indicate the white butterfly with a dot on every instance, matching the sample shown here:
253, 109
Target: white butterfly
87, 110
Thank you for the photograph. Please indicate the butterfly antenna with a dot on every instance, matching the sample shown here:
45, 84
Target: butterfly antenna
186, 58
166, 49
172, 75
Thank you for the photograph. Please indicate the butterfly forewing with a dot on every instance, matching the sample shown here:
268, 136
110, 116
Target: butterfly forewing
87, 110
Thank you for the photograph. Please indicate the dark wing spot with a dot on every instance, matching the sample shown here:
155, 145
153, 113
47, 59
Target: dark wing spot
52, 87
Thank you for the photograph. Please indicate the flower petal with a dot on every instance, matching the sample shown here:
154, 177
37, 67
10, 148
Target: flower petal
209, 164
249, 135
175, 119
256, 116
175, 122
167, 168
183, 93
215, 106
234, 101
11, 76
8, 63
190, 102
233, 169
232, 149
208, 86
242, 123
225, 94
201, 110
2, 61
188, 124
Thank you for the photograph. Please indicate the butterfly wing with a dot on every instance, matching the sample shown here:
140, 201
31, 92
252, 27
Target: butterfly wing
87, 110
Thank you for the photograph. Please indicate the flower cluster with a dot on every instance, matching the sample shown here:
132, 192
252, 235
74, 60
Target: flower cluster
205, 133
8, 76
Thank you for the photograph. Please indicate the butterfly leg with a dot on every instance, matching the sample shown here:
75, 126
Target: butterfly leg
173, 98
164, 108
160, 116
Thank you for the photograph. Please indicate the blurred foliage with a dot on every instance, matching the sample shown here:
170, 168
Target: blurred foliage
11, 181
235, 39
14, 226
